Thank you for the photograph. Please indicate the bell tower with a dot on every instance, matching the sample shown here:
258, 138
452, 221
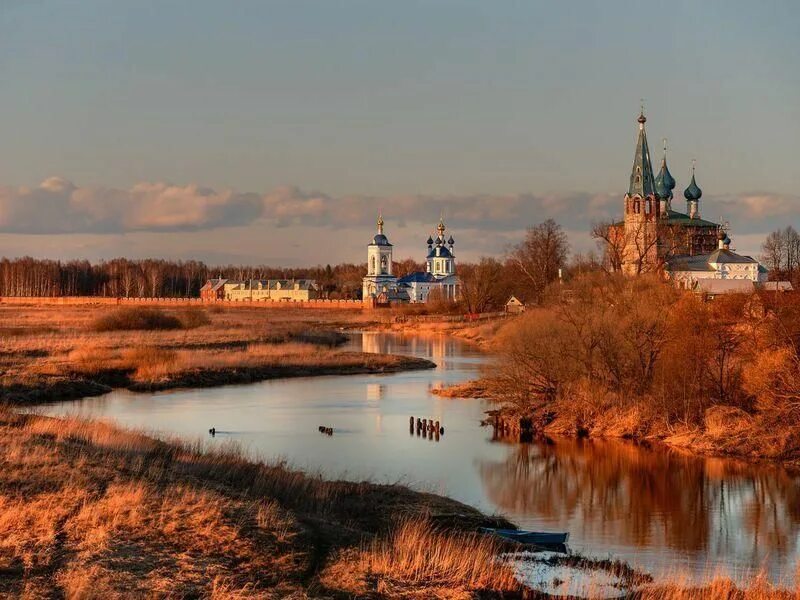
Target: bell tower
379, 264
642, 208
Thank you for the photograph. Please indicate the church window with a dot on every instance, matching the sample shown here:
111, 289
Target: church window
372, 267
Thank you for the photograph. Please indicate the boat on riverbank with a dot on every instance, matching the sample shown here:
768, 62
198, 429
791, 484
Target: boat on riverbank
537, 538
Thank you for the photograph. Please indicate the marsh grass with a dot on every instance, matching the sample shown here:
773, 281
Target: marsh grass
136, 318
62, 352
90, 510
417, 559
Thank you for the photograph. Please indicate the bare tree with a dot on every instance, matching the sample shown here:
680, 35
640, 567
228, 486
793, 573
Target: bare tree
780, 252
541, 254
479, 282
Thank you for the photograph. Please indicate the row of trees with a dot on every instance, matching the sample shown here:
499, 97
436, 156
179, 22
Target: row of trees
525, 272
780, 253
123, 277
613, 359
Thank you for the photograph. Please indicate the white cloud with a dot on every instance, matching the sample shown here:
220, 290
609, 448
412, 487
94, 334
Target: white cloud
482, 223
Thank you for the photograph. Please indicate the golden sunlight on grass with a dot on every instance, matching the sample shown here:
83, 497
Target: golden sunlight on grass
418, 560
52, 353
91, 511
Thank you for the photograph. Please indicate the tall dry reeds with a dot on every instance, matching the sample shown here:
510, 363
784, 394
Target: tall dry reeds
91, 511
418, 559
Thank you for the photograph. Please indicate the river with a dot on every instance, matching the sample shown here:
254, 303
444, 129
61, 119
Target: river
667, 512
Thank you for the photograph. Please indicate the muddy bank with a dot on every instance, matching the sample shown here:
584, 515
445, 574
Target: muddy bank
78, 385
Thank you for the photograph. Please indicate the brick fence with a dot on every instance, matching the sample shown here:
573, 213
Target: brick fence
167, 302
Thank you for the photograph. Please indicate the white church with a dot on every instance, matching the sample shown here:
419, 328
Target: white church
439, 277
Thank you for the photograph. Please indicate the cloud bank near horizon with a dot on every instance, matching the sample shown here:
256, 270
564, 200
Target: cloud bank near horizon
60, 208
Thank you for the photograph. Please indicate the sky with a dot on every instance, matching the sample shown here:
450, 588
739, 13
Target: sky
273, 132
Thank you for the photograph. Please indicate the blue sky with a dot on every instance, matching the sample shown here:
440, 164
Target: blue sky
171, 125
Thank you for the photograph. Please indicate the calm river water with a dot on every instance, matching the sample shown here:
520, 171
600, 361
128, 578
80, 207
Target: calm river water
661, 510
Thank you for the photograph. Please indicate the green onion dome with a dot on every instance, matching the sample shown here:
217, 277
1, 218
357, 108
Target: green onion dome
665, 182
669, 180
662, 191
692, 192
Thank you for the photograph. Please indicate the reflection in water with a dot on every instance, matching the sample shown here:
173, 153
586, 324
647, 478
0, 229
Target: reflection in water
659, 509
656, 498
375, 391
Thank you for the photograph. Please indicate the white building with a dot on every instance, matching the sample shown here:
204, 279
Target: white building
379, 282
721, 264
440, 274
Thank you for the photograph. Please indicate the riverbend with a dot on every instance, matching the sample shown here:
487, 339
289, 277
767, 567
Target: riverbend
662, 511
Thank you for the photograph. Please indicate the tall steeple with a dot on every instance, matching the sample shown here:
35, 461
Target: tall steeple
642, 180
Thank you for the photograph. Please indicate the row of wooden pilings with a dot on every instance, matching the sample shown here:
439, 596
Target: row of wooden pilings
425, 428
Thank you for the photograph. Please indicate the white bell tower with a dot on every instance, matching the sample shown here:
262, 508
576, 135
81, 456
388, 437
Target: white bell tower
379, 265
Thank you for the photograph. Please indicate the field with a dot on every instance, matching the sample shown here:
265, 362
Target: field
58, 352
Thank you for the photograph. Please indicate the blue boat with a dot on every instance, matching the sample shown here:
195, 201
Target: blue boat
537, 538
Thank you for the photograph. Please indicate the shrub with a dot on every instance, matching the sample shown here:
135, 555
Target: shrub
138, 317
194, 317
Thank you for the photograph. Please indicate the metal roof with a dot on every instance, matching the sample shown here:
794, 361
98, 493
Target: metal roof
642, 181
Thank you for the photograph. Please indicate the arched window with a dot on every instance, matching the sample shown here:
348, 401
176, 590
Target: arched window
372, 266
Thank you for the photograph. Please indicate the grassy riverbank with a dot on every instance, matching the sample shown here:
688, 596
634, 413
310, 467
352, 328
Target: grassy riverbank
637, 358
88, 511
56, 353
91, 511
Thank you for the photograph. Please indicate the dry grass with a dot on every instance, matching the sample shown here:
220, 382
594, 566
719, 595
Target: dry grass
417, 560
758, 588
57, 352
136, 318
91, 511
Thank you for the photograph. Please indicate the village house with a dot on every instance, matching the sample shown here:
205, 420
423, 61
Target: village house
514, 306
213, 289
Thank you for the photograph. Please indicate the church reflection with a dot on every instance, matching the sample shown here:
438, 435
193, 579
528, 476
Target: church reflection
437, 348
608, 490
376, 391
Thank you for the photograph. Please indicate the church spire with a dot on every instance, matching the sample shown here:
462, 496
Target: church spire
642, 181
380, 222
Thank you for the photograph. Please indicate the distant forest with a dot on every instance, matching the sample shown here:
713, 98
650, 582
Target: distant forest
525, 272
122, 277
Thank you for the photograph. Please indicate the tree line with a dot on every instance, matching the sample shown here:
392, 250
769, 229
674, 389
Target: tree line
154, 278
525, 271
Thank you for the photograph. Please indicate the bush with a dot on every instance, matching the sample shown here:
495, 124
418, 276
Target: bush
194, 317
138, 317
